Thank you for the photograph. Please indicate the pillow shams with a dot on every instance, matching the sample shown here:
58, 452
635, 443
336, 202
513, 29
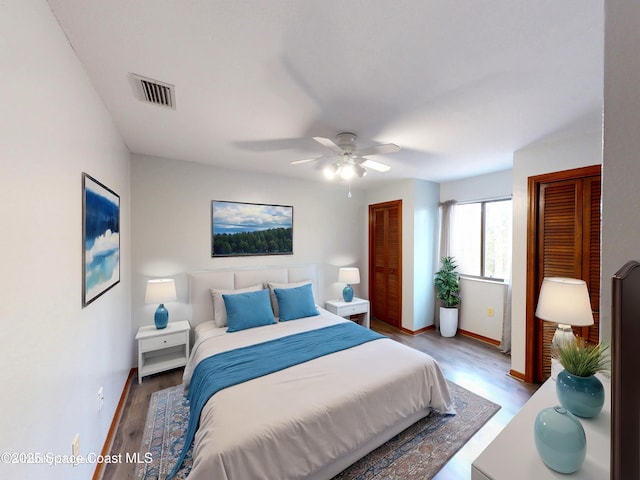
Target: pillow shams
294, 303
219, 310
248, 310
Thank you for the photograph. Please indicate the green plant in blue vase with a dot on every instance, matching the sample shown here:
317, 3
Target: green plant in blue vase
578, 388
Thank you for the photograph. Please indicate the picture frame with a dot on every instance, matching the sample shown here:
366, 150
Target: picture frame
247, 229
100, 239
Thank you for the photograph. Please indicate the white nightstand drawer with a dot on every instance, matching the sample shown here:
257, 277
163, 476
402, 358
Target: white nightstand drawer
353, 309
162, 341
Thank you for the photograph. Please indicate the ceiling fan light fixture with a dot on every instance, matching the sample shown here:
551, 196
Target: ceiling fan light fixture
348, 160
360, 171
347, 172
330, 171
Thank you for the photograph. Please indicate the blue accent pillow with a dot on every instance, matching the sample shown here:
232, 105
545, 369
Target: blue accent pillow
248, 310
295, 303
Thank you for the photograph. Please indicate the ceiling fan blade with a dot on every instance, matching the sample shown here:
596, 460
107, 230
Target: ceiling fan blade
328, 143
324, 162
379, 149
307, 160
380, 167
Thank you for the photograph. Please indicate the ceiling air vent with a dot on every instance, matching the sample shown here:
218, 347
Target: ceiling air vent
153, 91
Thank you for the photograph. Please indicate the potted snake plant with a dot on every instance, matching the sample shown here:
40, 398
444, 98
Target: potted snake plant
577, 387
448, 292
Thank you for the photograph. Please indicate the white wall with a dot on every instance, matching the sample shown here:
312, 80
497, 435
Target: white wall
419, 244
478, 188
425, 257
55, 354
477, 296
553, 156
171, 225
621, 165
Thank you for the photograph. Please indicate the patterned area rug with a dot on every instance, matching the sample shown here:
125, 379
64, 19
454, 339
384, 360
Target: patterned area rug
417, 453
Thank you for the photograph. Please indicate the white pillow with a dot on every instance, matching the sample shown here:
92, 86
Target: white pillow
274, 299
219, 310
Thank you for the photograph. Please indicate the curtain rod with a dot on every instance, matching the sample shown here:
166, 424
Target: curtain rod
489, 199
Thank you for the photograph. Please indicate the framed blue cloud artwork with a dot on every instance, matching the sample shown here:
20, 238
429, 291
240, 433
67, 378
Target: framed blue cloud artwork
242, 229
100, 239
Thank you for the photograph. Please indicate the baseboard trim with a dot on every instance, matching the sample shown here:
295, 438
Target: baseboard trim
518, 375
480, 337
417, 332
106, 448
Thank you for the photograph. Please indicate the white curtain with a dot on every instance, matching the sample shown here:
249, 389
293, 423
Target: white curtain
505, 345
447, 213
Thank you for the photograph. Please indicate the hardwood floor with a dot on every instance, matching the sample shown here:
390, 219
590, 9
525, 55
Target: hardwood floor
128, 436
478, 367
472, 364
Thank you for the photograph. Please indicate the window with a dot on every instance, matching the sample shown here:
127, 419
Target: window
481, 234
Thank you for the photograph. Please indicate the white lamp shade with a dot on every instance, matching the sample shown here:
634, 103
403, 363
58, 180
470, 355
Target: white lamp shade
161, 290
565, 301
349, 275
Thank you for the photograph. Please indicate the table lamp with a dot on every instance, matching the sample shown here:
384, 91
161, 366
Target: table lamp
160, 291
350, 276
566, 302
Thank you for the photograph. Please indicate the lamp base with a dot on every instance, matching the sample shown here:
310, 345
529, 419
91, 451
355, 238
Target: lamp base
562, 335
161, 317
347, 293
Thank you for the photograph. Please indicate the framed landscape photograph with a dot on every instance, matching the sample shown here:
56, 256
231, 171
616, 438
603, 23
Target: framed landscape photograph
100, 239
242, 229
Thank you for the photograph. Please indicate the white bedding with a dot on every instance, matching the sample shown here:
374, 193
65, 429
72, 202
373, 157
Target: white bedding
293, 423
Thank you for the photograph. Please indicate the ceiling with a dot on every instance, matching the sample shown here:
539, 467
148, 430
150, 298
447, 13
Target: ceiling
458, 85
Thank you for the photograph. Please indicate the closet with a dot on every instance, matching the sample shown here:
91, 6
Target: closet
385, 261
563, 241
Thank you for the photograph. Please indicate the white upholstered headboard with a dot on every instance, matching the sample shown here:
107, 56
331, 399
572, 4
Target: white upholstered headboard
200, 283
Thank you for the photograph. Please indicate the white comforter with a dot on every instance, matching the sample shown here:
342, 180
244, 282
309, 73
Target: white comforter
289, 424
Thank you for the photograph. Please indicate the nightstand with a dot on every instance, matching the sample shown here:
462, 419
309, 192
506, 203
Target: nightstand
358, 306
161, 350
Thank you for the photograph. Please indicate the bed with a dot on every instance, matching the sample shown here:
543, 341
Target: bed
308, 420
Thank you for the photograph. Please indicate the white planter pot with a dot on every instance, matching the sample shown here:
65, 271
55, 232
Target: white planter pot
448, 321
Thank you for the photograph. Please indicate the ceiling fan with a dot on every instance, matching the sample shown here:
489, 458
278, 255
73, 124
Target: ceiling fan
347, 161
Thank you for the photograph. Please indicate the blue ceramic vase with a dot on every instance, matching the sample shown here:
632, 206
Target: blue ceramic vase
582, 396
560, 439
161, 317
347, 293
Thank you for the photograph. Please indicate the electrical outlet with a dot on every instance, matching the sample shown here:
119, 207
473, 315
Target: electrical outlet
100, 398
489, 311
75, 449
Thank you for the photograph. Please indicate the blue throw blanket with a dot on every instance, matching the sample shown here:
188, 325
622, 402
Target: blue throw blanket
240, 365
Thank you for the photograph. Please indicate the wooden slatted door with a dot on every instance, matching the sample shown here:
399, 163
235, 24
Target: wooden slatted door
564, 242
591, 251
385, 261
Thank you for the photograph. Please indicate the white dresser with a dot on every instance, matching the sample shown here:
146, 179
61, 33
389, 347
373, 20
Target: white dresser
513, 455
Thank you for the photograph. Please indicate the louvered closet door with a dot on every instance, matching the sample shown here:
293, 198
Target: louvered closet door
385, 260
568, 245
591, 252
